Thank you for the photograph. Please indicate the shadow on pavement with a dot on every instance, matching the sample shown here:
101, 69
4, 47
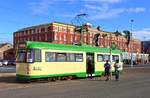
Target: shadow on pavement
8, 79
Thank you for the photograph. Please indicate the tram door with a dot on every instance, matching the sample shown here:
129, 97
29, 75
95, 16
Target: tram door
90, 63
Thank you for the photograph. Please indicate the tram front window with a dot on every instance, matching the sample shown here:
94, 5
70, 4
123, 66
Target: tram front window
21, 57
30, 56
33, 55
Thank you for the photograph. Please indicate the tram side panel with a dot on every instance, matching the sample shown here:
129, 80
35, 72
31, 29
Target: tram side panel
54, 68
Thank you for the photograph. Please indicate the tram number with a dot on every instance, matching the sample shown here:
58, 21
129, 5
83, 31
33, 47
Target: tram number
37, 68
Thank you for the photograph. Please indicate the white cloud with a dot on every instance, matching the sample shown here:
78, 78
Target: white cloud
108, 14
136, 10
98, 9
143, 34
104, 11
40, 7
103, 7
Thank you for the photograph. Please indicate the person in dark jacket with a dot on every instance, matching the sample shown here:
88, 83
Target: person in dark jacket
107, 70
90, 67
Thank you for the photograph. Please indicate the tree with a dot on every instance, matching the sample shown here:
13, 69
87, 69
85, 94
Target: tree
96, 38
117, 33
104, 35
127, 36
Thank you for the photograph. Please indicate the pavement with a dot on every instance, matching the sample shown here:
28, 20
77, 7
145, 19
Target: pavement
134, 83
138, 65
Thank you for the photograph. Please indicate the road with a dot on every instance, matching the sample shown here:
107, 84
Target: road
134, 83
7, 69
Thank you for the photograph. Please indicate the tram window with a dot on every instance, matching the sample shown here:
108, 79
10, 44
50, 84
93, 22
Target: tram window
70, 57
30, 56
115, 57
61, 57
50, 57
37, 55
21, 57
106, 57
100, 58
79, 57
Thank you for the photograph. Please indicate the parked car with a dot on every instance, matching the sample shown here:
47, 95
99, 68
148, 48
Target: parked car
1, 64
5, 62
11, 62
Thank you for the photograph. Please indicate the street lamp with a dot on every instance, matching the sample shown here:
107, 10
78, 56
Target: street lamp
131, 40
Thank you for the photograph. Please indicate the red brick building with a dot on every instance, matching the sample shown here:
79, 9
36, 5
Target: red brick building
61, 33
146, 47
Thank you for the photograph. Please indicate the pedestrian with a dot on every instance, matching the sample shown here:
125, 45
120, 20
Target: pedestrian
107, 70
117, 72
90, 67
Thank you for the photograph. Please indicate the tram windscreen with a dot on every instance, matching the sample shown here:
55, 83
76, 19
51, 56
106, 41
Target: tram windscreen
21, 56
29, 56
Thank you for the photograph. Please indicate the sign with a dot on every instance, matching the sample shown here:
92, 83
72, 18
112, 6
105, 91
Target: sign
22, 45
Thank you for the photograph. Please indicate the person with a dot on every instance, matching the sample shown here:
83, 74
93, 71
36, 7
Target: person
89, 64
107, 70
117, 66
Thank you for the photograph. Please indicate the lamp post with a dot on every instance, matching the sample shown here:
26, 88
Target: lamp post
112, 47
132, 41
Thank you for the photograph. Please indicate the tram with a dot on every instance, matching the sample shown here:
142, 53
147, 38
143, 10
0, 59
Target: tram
36, 60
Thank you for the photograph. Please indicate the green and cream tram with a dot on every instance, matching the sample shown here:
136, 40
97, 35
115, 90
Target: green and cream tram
37, 60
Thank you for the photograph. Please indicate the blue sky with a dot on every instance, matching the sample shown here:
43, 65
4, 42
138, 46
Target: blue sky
111, 15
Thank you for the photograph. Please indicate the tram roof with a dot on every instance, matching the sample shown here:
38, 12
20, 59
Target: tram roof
83, 48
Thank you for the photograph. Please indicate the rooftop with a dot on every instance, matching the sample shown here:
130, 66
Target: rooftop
41, 25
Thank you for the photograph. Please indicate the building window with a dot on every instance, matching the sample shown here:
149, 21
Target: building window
56, 29
32, 38
55, 36
37, 30
71, 38
46, 29
65, 37
42, 30
33, 30
45, 37
60, 29
64, 30
49, 29
91, 40
60, 37
39, 38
